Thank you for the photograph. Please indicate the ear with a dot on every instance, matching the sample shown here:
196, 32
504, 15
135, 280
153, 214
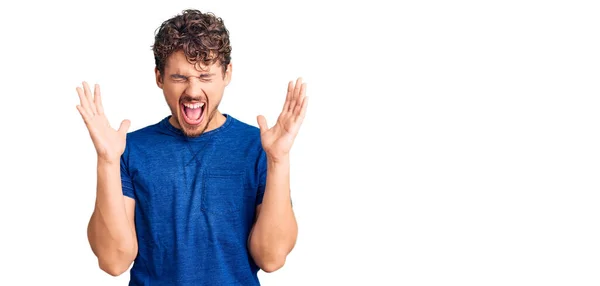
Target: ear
159, 78
227, 78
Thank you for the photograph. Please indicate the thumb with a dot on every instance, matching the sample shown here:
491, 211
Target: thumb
262, 123
124, 126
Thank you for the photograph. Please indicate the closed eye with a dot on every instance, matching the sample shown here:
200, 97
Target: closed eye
178, 77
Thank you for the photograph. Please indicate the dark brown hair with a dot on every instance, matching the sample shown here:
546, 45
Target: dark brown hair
202, 37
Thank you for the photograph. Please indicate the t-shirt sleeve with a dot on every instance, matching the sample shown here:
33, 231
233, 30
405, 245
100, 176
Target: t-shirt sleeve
262, 176
126, 183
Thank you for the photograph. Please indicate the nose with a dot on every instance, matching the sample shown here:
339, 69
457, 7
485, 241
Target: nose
194, 88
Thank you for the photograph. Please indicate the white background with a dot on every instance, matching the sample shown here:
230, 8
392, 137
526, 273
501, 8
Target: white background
446, 142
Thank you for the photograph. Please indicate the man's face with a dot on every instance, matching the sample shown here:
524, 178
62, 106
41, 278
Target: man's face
193, 95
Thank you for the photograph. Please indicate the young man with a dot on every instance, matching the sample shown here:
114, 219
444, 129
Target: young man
198, 198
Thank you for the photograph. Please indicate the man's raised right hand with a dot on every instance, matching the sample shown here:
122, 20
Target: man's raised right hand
109, 143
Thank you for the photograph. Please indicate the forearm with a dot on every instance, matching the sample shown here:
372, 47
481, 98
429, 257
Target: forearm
110, 234
275, 232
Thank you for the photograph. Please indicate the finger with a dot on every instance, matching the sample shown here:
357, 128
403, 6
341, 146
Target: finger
295, 94
98, 99
83, 113
88, 95
288, 97
303, 109
262, 124
84, 101
124, 127
299, 100
297, 88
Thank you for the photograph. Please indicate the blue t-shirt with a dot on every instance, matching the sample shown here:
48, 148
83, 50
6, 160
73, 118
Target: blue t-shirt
195, 202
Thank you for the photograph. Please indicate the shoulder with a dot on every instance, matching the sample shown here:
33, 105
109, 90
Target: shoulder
142, 134
144, 137
242, 129
243, 126
244, 135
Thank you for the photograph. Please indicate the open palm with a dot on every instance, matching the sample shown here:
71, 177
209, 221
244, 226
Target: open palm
277, 140
109, 143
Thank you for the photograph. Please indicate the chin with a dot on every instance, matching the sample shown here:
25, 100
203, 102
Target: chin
191, 130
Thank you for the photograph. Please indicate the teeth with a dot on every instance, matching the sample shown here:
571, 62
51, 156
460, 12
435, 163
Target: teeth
193, 106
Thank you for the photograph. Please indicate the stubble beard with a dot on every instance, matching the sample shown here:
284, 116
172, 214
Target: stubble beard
190, 132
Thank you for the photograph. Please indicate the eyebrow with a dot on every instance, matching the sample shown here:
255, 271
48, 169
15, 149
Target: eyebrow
201, 75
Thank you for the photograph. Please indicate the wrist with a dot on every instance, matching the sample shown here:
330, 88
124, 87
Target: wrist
104, 162
277, 162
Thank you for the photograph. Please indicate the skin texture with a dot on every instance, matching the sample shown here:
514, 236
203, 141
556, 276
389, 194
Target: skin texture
111, 230
274, 233
183, 82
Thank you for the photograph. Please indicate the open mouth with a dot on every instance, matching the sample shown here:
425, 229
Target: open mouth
193, 112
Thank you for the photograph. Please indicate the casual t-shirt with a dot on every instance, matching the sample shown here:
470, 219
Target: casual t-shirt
195, 203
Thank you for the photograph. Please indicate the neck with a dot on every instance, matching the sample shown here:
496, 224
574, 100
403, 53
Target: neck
216, 121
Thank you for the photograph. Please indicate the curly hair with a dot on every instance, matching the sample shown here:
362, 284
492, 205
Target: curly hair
202, 37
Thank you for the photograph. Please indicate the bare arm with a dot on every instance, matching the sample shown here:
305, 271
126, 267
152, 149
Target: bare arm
111, 230
274, 233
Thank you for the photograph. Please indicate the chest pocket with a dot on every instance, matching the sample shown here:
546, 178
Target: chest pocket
224, 193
